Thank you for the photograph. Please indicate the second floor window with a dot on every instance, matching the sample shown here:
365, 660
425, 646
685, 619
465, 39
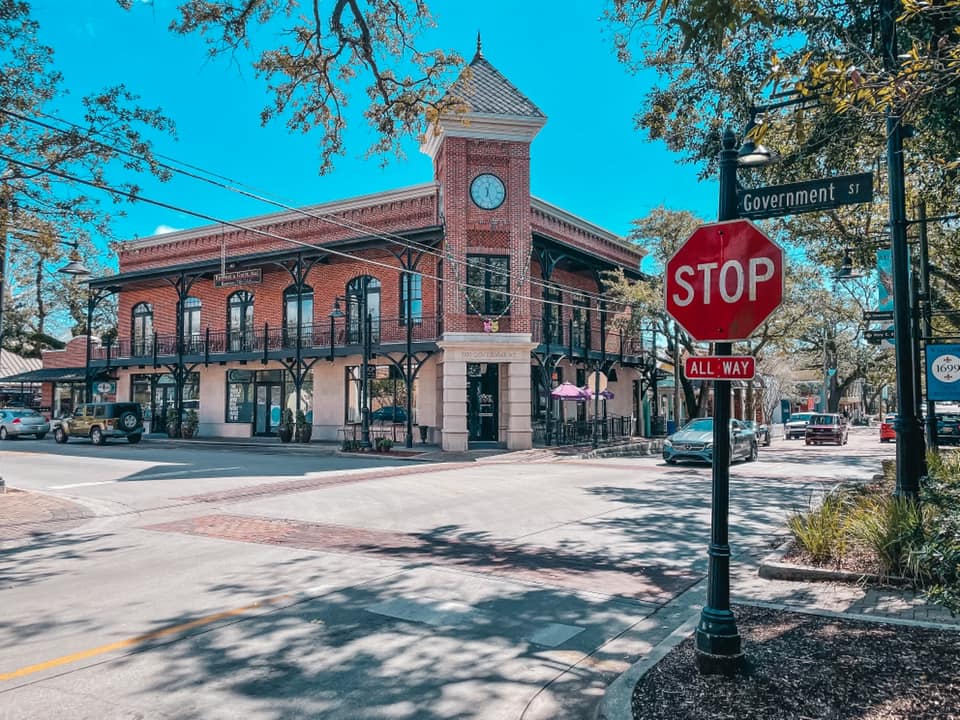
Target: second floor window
581, 322
240, 320
413, 282
142, 330
552, 314
294, 312
488, 285
191, 318
363, 299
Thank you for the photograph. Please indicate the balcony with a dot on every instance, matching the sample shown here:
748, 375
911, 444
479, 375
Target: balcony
581, 341
338, 338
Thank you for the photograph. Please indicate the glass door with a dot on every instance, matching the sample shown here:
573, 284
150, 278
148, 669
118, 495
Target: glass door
164, 398
483, 389
268, 406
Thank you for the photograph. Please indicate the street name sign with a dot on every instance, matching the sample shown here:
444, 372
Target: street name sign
724, 281
806, 196
723, 367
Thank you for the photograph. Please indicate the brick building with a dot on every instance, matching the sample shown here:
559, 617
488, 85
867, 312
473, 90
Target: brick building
464, 298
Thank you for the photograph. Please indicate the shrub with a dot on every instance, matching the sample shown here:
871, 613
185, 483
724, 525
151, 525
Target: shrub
891, 527
820, 531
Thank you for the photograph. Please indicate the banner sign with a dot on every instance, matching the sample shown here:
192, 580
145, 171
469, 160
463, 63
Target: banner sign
723, 367
885, 290
943, 372
237, 277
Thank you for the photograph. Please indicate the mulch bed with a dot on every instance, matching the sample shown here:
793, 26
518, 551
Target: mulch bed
801, 667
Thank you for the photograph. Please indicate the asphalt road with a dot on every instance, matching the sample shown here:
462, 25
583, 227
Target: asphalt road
229, 583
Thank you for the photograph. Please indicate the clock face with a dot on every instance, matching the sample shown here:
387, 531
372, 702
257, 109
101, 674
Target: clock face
488, 191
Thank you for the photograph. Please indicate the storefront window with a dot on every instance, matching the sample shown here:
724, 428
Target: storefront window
240, 396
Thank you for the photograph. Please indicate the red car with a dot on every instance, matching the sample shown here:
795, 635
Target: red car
887, 432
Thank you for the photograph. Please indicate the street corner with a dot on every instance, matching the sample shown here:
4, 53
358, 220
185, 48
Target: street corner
24, 514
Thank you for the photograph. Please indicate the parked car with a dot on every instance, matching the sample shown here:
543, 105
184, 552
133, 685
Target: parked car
948, 429
887, 433
389, 413
17, 422
694, 441
796, 425
761, 430
102, 421
826, 427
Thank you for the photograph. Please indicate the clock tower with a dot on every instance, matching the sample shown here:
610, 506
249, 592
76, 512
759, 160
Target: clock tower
481, 160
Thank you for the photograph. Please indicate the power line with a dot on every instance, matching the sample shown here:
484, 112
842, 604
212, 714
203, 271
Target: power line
338, 253
236, 187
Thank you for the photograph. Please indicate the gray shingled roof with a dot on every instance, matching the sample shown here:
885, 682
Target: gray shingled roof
486, 90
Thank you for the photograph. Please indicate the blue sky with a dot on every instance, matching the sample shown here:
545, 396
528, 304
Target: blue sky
588, 159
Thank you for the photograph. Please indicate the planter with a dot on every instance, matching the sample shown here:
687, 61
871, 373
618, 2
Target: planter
187, 432
304, 433
285, 433
424, 429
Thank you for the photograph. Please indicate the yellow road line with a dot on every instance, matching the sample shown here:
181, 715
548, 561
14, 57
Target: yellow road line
139, 639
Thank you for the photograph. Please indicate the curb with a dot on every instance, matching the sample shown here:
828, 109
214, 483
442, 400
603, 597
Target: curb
772, 567
634, 449
617, 699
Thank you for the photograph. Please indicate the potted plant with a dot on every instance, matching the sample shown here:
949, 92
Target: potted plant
188, 428
304, 428
173, 423
285, 429
384, 444
424, 429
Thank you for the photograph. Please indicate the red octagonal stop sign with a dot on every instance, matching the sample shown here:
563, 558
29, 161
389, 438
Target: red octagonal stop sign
724, 281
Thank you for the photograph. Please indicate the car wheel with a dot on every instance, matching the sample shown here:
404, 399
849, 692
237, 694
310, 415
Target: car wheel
60, 436
128, 421
96, 436
670, 461
754, 452
41, 436
3, 434
767, 441
807, 442
134, 439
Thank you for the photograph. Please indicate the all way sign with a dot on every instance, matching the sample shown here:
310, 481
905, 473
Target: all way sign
725, 367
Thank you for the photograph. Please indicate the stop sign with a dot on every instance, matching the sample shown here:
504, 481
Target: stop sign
724, 281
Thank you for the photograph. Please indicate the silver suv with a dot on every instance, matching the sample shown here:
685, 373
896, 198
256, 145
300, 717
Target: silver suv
796, 425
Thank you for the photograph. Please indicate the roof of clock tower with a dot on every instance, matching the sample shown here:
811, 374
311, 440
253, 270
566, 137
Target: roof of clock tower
496, 109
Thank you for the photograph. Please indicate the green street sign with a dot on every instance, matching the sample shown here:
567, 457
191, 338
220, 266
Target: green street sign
806, 196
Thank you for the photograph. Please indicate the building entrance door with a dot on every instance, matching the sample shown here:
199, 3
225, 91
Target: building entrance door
164, 398
483, 392
267, 408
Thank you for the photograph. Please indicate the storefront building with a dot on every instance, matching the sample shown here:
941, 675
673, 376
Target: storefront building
449, 309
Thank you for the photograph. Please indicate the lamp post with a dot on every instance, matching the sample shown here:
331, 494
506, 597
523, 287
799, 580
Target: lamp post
910, 456
718, 647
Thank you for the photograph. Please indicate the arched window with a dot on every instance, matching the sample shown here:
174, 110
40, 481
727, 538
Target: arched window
363, 298
240, 321
142, 329
295, 312
191, 320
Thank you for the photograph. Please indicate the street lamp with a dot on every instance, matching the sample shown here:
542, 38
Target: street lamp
718, 647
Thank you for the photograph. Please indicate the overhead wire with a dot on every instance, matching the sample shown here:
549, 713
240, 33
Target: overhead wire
276, 236
388, 236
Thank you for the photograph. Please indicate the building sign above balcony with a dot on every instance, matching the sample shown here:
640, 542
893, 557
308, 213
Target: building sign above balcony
237, 277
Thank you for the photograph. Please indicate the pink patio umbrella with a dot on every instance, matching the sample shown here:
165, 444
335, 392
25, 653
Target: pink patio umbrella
568, 391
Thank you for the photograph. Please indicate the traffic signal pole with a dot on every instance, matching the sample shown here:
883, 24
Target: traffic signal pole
718, 648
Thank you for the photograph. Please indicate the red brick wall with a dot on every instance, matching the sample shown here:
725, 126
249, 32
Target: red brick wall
327, 281
72, 356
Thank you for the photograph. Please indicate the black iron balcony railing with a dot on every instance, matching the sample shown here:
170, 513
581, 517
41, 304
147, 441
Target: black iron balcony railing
581, 339
314, 339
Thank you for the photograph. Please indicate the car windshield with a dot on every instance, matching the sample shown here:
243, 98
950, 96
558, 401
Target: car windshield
700, 425
800, 417
824, 420
26, 413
